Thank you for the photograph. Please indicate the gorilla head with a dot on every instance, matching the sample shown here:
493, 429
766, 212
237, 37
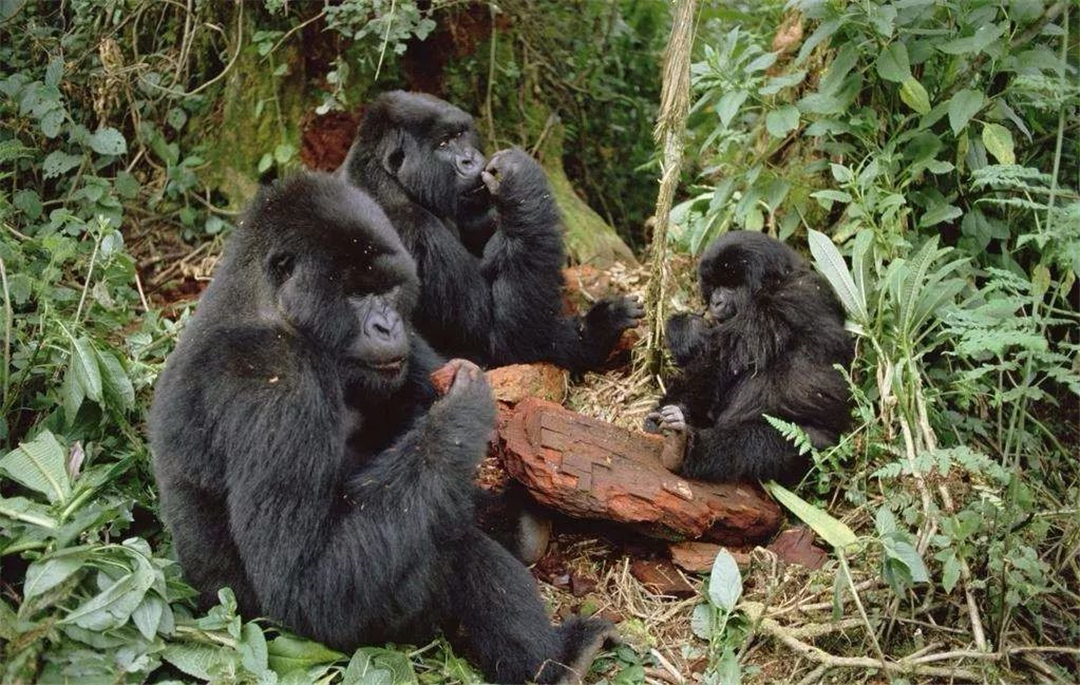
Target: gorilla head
738, 266
321, 260
428, 146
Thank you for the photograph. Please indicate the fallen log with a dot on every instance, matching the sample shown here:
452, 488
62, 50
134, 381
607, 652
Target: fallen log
588, 468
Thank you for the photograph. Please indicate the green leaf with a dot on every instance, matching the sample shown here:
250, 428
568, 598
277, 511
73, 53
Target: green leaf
841, 173
983, 37
782, 121
914, 95
939, 213
962, 106
253, 653
71, 395
701, 621
950, 573
113, 606
45, 574
115, 382
51, 122
291, 653
377, 666
22, 509
199, 661
831, 196
729, 105
725, 581
906, 554
893, 64
833, 531
13, 148
39, 465
999, 142
147, 616
284, 152
108, 141
58, 163
54, 72
728, 670
29, 203
87, 373
862, 263
831, 264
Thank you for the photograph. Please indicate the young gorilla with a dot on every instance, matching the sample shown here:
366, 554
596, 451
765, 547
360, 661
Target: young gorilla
304, 460
486, 239
773, 331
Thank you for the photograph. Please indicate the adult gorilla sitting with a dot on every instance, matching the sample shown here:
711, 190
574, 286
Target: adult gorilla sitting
486, 239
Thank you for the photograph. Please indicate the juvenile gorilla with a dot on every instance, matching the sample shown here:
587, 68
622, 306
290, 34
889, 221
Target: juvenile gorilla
486, 239
304, 460
767, 345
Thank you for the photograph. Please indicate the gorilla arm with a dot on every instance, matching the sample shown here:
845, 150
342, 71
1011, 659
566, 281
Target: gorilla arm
317, 560
523, 261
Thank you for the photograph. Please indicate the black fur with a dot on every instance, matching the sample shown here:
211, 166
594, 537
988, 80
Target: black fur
486, 240
775, 332
304, 460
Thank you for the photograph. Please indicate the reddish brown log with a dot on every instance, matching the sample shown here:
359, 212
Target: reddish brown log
588, 468
511, 384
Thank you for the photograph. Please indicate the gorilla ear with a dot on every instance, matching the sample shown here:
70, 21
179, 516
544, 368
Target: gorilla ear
392, 153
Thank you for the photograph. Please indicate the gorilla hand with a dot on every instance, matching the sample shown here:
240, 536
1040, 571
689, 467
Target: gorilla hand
469, 391
613, 315
512, 177
667, 418
672, 419
685, 336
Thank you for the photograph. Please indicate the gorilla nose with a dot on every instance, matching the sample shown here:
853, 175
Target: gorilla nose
384, 324
471, 163
383, 343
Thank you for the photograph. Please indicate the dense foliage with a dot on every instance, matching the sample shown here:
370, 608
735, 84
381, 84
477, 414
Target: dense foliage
924, 152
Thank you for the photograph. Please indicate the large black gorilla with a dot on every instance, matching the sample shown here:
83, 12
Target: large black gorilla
304, 459
773, 331
486, 239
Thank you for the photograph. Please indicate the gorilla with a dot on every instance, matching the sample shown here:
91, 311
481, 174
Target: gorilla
767, 344
486, 239
304, 459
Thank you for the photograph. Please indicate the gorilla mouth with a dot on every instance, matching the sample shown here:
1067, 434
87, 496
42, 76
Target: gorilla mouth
387, 367
476, 189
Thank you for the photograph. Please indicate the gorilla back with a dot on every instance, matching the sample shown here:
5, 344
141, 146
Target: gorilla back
304, 460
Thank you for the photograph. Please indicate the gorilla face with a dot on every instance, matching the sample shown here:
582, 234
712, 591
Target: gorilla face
738, 266
429, 146
724, 303
338, 276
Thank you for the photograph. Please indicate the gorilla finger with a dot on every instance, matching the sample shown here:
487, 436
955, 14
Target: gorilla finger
490, 182
651, 423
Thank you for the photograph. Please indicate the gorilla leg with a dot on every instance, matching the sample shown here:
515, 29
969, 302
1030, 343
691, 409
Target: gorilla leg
745, 451
515, 521
518, 645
